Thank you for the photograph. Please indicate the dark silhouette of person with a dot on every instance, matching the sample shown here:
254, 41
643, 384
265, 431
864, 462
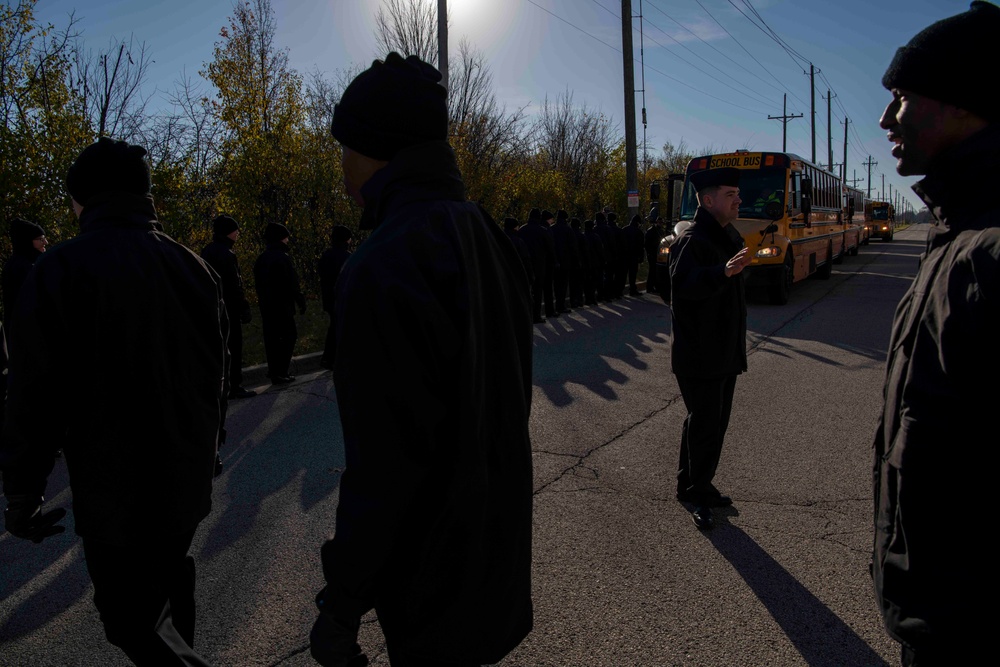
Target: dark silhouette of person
579, 276
142, 318
330, 263
567, 260
434, 518
543, 253
654, 235
632, 238
278, 293
609, 241
28, 242
220, 256
593, 285
510, 227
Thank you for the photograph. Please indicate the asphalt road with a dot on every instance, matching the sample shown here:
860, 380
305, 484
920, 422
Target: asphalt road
621, 575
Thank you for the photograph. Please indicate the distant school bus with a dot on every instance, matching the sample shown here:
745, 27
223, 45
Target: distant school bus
882, 215
791, 219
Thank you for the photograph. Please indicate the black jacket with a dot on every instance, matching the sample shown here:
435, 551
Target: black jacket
220, 256
598, 258
567, 252
632, 241
652, 240
538, 236
119, 358
434, 391
609, 241
330, 263
524, 253
15, 272
935, 446
277, 282
708, 310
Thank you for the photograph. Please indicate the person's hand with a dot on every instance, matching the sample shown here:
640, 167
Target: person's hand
740, 261
333, 641
302, 308
246, 316
24, 518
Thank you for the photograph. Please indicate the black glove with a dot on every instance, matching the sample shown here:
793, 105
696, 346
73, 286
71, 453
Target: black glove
246, 316
333, 641
24, 518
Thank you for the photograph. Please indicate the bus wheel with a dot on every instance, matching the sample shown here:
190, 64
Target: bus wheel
781, 290
824, 272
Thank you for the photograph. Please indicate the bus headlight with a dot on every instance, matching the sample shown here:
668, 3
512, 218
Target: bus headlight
769, 252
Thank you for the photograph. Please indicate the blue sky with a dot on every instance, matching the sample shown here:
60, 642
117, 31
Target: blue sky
712, 76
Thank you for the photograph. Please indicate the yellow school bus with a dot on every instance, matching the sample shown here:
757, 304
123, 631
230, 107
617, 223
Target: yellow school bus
791, 219
883, 219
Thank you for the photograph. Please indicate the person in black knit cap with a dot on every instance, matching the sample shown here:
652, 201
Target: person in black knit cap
141, 319
433, 383
220, 256
935, 443
330, 263
278, 294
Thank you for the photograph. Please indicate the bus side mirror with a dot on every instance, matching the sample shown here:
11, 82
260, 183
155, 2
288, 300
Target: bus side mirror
807, 187
850, 208
654, 190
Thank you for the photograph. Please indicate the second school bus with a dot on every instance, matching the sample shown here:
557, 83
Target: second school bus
791, 219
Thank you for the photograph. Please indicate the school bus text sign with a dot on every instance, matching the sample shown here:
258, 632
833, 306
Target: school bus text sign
740, 161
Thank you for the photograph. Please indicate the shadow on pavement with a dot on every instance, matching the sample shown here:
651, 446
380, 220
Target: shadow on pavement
819, 635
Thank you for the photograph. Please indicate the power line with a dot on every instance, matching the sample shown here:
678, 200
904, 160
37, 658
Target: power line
709, 45
752, 56
664, 74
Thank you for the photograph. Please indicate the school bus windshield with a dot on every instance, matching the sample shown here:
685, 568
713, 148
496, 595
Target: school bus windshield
758, 188
880, 212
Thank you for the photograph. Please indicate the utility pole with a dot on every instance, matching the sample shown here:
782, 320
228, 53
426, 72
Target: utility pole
443, 41
631, 177
870, 164
784, 118
882, 192
812, 107
846, 123
829, 129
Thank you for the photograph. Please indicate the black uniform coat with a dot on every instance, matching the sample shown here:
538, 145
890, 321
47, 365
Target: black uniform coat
220, 256
330, 263
15, 272
708, 310
434, 390
119, 358
277, 282
936, 445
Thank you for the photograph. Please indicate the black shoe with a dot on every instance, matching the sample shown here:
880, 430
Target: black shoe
240, 392
635, 292
328, 365
712, 500
283, 379
702, 517
539, 320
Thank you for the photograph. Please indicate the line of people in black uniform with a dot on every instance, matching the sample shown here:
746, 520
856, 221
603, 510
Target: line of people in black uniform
572, 264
